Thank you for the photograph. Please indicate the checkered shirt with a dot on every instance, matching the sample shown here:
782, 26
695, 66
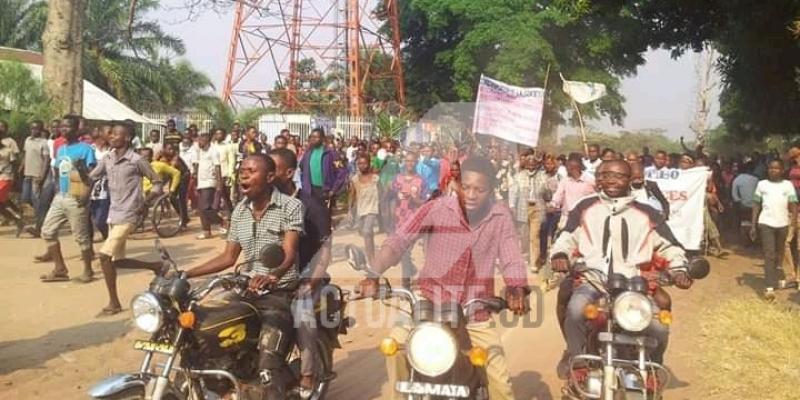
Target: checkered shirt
284, 213
460, 259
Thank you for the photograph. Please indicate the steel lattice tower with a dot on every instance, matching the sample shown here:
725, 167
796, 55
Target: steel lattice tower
353, 44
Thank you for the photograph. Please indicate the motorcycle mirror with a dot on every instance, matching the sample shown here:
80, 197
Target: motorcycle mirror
272, 256
495, 304
164, 254
617, 283
699, 268
637, 284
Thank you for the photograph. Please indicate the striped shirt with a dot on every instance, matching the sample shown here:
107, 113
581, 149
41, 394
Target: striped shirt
283, 214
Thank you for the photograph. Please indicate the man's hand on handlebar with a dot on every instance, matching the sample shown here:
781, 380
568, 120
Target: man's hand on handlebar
368, 287
682, 280
515, 297
261, 282
559, 263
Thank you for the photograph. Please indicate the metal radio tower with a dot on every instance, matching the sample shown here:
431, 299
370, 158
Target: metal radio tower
302, 54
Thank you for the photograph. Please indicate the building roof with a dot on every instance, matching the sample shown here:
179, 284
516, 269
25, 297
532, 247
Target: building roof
97, 104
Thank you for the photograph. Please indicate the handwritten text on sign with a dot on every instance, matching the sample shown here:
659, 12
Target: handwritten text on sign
508, 112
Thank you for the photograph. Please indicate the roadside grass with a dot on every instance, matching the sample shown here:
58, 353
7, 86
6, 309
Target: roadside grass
750, 349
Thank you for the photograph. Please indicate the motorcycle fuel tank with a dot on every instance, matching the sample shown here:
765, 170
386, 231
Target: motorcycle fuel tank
225, 325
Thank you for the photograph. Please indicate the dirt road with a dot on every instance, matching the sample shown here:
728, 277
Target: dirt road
52, 345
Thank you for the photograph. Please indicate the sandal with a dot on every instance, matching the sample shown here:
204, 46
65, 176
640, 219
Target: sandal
84, 278
204, 236
109, 311
44, 258
54, 276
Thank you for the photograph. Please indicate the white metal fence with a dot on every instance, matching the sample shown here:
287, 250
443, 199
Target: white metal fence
182, 121
271, 124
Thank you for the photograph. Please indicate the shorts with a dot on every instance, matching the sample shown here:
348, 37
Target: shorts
5, 190
114, 246
367, 224
205, 199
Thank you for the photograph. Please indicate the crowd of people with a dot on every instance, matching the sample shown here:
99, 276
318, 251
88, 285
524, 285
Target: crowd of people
384, 184
514, 204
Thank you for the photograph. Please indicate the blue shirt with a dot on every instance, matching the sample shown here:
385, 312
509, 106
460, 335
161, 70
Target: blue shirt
68, 156
429, 171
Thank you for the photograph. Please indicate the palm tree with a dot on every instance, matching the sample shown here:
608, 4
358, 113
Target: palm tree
132, 62
129, 58
22, 23
223, 115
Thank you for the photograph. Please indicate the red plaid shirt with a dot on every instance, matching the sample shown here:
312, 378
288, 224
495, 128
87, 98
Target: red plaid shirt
460, 260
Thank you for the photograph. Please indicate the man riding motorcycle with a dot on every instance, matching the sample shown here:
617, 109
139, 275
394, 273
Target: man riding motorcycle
264, 217
613, 233
465, 235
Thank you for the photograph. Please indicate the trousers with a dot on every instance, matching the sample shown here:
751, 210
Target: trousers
481, 334
576, 328
773, 241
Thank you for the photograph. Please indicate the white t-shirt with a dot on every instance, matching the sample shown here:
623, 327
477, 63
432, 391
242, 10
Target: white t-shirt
351, 153
591, 166
774, 198
561, 172
156, 147
188, 153
207, 161
224, 155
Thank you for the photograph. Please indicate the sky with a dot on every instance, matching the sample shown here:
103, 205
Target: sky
661, 95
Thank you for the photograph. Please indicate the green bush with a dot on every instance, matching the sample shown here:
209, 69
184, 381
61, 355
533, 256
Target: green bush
22, 98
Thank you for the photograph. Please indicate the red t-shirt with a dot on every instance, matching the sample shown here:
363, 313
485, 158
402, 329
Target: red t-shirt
794, 176
57, 143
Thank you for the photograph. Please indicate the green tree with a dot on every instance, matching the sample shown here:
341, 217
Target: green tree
22, 23
129, 58
450, 43
22, 98
759, 55
223, 115
625, 141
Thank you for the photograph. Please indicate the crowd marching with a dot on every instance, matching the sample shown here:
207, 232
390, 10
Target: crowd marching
98, 179
384, 183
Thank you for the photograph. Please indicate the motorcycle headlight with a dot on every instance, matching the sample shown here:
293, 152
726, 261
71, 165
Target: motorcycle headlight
147, 312
633, 311
432, 349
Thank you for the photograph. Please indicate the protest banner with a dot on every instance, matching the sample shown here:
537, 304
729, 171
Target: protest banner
508, 112
686, 192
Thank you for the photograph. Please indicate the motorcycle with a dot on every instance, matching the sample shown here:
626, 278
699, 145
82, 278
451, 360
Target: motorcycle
443, 363
215, 343
616, 365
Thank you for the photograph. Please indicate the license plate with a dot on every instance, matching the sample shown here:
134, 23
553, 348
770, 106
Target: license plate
146, 345
432, 389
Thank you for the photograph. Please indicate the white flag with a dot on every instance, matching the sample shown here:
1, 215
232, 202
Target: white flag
583, 92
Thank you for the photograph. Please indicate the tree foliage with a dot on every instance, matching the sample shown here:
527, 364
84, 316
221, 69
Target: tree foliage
450, 43
22, 23
759, 55
133, 63
624, 142
224, 116
22, 98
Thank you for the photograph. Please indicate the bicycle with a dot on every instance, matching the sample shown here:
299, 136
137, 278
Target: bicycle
164, 217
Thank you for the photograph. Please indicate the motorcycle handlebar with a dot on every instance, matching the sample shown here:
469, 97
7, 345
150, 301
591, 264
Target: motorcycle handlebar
227, 282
